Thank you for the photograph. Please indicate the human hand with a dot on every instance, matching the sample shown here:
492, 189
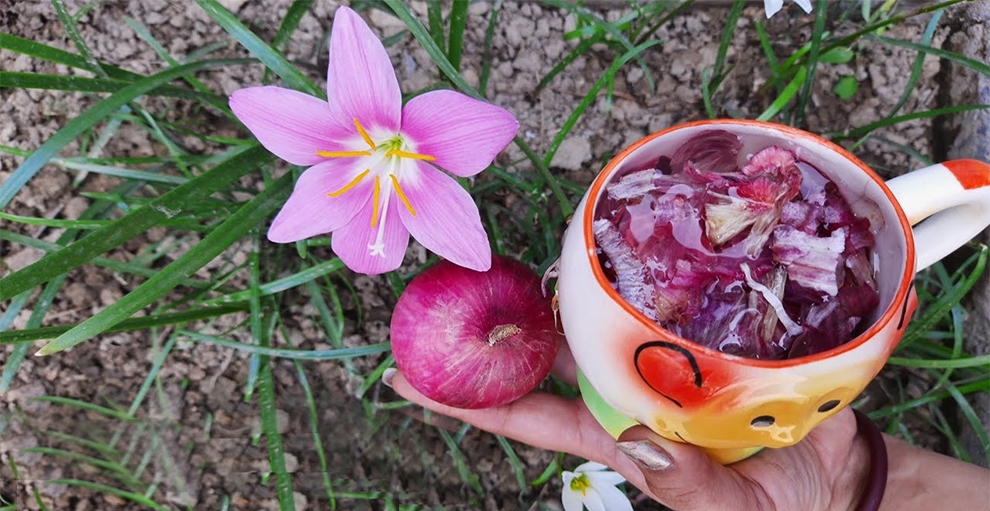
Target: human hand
825, 471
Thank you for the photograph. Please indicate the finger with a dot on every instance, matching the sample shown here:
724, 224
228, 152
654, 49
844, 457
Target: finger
683, 477
542, 420
538, 419
564, 366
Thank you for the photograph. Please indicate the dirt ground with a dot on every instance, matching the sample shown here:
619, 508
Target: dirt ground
198, 413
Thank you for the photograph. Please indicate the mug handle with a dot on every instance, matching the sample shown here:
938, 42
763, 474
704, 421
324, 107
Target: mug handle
955, 194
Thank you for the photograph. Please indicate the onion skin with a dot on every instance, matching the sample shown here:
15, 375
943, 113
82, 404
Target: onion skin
472, 339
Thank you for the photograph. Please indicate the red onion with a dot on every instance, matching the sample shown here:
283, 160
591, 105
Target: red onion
474, 340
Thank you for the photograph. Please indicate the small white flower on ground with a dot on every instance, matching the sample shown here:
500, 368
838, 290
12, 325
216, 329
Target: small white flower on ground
592, 485
773, 6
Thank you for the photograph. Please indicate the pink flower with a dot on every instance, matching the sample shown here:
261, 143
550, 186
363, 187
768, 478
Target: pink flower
375, 166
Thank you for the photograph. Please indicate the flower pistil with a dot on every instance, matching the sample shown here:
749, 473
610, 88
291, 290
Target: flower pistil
581, 484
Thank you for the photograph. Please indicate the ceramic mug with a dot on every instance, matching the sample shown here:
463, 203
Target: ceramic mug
634, 371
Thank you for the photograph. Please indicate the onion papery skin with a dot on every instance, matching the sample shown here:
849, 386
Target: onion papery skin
444, 320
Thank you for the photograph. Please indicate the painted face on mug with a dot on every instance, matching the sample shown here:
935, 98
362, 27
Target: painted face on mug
731, 405
772, 412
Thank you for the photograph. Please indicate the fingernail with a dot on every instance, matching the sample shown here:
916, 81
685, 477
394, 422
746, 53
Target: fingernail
647, 454
388, 375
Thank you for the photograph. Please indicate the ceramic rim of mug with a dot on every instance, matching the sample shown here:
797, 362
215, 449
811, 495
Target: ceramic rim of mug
888, 315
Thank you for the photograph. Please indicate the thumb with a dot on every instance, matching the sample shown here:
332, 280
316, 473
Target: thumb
683, 477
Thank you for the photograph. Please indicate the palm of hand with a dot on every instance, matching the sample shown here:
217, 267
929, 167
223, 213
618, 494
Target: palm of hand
816, 474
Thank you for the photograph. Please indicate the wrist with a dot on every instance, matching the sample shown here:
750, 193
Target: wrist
862, 485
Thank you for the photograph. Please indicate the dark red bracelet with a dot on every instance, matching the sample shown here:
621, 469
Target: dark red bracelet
876, 483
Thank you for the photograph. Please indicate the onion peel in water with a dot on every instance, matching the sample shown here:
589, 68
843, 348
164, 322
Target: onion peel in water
472, 339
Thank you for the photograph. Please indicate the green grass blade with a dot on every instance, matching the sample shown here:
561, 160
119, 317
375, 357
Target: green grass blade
105, 450
141, 323
56, 222
97, 113
971, 416
706, 93
611, 29
314, 423
96, 462
514, 462
269, 426
578, 50
69, 25
486, 54
731, 21
268, 56
460, 464
934, 312
811, 66
916, 70
558, 193
851, 38
34, 321
276, 286
13, 309
785, 96
102, 488
156, 366
285, 30
458, 20
295, 354
232, 229
590, 97
20, 351
768, 51
150, 40
254, 320
890, 121
434, 15
85, 405
332, 324
983, 360
134, 223
980, 67
12, 80
58, 56
103, 262
903, 406
673, 13
290, 22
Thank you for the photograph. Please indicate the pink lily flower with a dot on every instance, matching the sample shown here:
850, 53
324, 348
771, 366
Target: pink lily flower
376, 170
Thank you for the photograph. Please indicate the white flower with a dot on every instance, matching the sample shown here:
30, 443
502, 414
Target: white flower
591, 485
772, 6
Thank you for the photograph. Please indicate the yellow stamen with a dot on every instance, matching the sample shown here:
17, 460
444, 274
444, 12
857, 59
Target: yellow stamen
350, 185
342, 154
581, 483
414, 156
364, 134
398, 190
374, 199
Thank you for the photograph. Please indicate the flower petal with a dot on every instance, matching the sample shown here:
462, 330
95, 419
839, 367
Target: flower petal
605, 478
447, 221
613, 498
572, 500
590, 466
352, 243
593, 500
805, 5
290, 124
361, 83
772, 6
463, 134
310, 211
